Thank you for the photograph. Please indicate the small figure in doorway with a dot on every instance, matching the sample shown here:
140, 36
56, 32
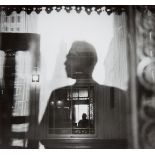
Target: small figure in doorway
84, 123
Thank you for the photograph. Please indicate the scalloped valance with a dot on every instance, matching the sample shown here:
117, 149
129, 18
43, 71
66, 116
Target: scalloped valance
8, 9
117, 9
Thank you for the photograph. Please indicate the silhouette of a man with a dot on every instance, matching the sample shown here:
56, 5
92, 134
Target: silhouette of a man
80, 62
84, 123
109, 102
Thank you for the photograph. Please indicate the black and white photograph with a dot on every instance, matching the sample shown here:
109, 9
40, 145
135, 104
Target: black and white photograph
77, 77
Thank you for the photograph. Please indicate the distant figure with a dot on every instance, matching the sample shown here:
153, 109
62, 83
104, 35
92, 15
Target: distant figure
84, 123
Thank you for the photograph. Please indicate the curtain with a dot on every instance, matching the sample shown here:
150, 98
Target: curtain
116, 69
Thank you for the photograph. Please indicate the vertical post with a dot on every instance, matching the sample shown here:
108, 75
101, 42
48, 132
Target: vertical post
8, 99
132, 105
34, 93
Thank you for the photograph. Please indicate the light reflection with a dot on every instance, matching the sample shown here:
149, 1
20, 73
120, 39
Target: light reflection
22, 84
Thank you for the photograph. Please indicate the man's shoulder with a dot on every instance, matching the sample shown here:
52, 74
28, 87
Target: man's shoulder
60, 92
61, 89
104, 87
110, 88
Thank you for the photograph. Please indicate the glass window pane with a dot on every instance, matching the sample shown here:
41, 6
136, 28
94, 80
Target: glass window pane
73, 115
83, 93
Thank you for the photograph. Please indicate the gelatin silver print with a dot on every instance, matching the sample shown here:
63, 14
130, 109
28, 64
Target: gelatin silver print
77, 77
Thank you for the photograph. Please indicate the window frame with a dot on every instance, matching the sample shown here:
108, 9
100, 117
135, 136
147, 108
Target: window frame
77, 136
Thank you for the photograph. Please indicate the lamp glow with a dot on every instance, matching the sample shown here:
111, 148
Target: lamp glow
35, 78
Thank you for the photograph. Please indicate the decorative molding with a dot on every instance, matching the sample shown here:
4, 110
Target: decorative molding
109, 9
8, 9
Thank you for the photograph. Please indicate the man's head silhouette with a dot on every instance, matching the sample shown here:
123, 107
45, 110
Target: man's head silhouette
84, 116
81, 60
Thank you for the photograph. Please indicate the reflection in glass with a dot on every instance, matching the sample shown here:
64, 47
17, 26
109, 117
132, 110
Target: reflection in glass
73, 115
22, 84
71, 108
